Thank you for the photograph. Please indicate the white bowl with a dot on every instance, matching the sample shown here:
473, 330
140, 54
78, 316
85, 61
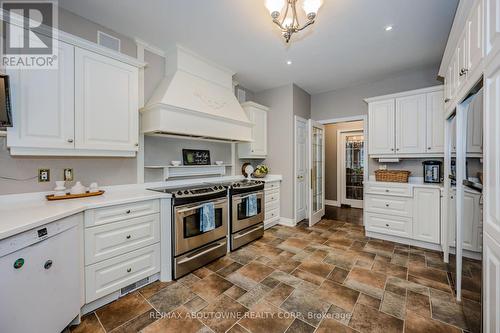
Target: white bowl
176, 163
219, 162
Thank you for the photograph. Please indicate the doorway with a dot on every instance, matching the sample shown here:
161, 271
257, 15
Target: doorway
351, 167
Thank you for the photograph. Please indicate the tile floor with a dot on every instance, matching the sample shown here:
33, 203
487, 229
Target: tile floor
328, 278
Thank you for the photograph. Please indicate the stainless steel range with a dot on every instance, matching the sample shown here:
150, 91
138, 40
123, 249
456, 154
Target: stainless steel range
192, 247
246, 226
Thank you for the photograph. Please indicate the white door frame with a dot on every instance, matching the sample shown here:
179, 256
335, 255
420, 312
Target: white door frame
341, 151
295, 173
364, 119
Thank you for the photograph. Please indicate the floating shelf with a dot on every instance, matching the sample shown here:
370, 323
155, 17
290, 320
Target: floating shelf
170, 171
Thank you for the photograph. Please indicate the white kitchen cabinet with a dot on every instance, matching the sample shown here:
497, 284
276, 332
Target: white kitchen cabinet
462, 60
381, 127
258, 147
411, 124
272, 203
472, 221
492, 29
474, 31
106, 103
427, 214
435, 122
43, 105
475, 130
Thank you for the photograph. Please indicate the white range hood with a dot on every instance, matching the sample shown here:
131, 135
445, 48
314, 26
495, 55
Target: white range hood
195, 99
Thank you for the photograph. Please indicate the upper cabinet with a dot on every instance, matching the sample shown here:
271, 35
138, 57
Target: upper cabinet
106, 103
258, 147
381, 127
88, 106
406, 124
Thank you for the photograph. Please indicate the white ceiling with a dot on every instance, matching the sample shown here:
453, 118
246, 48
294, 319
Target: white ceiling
347, 45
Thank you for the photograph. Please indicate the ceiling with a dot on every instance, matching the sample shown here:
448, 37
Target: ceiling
346, 46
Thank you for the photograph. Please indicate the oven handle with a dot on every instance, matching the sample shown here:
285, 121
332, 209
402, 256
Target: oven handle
238, 199
199, 206
199, 254
248, 232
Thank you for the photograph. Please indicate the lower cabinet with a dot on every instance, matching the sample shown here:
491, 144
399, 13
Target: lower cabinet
426, 214
404, 211
272, 203
472, 233
122, 247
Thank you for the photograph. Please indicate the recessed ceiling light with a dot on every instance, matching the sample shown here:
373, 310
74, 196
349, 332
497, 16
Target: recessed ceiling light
288, 62
388, 28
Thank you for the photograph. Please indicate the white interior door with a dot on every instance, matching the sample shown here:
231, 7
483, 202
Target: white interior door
317, 170
351, 152
300, 169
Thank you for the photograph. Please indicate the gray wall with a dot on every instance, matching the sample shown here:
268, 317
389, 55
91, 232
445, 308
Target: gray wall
106, 171
349, 101
280, 140
301, 102
331, 131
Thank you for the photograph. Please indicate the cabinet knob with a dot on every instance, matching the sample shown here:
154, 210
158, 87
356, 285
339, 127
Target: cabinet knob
387, 205
48, 264
428, 148
397, 149
387, 190
70, 140
129, 270
128, 211
386, 225
128, 236
137, 145
392, 149
463, 71
446, 100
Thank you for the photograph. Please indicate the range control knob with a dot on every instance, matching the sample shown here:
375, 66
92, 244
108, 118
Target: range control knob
179, 192
221, 187
186, 192
215, 187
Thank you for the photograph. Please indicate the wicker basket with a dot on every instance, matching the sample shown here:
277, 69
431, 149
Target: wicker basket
395, 176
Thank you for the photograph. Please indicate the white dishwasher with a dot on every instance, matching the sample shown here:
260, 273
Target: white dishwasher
40, 278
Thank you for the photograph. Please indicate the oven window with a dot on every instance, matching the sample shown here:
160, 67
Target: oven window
242, 209
192, 223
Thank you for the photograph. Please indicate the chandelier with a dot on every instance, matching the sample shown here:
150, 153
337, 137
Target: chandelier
286, 18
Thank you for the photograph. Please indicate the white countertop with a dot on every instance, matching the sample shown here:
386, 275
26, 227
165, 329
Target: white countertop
22, 212
412, 182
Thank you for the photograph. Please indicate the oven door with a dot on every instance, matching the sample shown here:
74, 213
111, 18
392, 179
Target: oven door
187, 233
240, 219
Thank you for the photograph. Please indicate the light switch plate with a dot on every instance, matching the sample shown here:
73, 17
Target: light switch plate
43, 175
68, 175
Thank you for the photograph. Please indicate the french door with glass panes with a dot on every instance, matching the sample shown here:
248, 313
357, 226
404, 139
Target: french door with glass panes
351, 169
317, 171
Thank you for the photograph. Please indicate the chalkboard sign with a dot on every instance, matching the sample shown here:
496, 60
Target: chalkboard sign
195, 157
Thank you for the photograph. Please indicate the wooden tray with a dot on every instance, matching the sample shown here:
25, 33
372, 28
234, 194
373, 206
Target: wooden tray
52, 197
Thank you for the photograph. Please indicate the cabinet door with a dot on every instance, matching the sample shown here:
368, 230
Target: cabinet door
381, 127
471, 221
259, 132
448, 85
106, 103
475, 37
462, 60
492, 28
410, 124
475, 128
435, 122
43, 104
427, 215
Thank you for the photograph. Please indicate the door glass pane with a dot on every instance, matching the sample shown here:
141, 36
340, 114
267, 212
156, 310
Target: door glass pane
354, 152
192, 223
317, 176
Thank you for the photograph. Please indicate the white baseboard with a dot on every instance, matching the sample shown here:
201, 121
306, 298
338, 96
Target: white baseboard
334, 203
288, 222
468, 254
402, 240
271, 223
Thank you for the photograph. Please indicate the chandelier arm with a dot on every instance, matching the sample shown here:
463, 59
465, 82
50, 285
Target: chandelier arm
284, 16
305, 25
275, 21
295, 23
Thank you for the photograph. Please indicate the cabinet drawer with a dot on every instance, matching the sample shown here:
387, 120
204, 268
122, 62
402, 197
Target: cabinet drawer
113, 274
272, 213
271, 185
120, 212
109, 240
388, 189
389, 225
272, 195
390, 205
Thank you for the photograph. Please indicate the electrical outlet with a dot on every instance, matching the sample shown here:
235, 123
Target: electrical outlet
68, 175
43, 175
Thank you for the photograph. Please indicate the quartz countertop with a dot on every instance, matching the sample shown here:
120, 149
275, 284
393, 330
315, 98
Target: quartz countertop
22, 212
412, 182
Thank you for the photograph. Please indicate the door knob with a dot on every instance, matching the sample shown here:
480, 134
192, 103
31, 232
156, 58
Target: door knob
70, 140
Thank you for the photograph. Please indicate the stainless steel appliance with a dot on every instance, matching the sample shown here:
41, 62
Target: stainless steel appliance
191, 246
246, 228
432, 171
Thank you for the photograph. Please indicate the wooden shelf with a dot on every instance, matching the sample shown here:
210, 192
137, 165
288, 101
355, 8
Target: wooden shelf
170, 171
